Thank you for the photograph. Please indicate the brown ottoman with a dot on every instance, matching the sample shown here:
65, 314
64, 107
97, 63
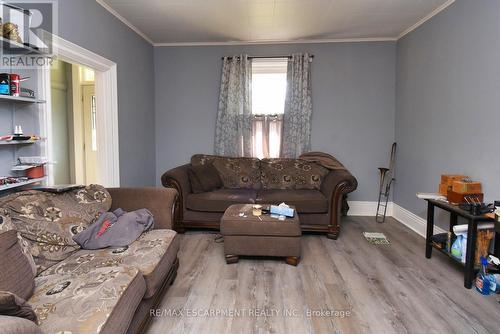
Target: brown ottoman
264, 236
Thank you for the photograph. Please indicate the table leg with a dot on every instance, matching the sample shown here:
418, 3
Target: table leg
471, 252
230, 258
453, 220
430, 230
292, 260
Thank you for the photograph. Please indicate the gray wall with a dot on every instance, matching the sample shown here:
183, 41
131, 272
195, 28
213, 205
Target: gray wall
89, 25
353, 87
448, 107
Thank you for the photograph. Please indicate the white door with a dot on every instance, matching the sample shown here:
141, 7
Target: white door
90, 134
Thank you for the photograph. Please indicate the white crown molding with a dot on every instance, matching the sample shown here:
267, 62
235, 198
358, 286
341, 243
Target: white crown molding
297, 41
265, 42
426, 18
124, 20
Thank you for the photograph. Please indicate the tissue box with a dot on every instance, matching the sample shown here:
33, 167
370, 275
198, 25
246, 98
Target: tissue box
282, 210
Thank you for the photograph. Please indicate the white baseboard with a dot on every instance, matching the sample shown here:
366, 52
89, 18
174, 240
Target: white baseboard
366, 208
405, 217
412, 221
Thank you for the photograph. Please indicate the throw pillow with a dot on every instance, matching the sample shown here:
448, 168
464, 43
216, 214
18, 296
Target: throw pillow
6, 225
235, 173
14, 306
16, 274
204, 178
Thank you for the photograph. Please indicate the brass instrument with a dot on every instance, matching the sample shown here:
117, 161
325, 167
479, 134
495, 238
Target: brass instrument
386, 180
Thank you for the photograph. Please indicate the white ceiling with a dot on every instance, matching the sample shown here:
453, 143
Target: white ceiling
222, 21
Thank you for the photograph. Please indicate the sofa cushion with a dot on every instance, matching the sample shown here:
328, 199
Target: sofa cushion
153, 253
13, 305
15, 325
204, 178
291, 174
48, 221
101, 301
16, 274
241, 173
220, 200
305, 201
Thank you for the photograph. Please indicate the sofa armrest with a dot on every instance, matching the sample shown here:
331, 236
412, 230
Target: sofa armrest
160, 201
335, 186
178, 178
15, 325
337, 178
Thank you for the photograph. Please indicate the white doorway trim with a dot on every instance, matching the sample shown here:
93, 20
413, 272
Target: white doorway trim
107, 105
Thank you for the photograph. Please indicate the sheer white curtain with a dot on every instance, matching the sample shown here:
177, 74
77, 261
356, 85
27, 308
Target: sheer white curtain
266, 136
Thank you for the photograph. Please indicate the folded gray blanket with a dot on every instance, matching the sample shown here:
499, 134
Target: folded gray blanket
115, 229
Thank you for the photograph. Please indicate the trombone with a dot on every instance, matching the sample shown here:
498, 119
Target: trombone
386, 180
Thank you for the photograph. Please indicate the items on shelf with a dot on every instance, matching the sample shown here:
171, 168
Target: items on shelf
461, 190
485, 282
19, 136
10, 138
33, 166
437, 197
11, 31
4, 180
10, 84
4, 83
485, 233
447, 182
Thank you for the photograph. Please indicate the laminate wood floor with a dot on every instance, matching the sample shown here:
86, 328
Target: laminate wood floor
387, 289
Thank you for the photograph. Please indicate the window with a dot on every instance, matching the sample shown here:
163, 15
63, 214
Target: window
268, 105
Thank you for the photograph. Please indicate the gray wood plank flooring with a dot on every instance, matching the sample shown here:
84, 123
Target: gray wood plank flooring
387, 289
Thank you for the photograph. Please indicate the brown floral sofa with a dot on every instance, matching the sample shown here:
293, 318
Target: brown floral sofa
316, 191
99, 291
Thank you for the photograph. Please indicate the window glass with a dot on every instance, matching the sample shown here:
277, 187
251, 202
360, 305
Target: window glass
268, 86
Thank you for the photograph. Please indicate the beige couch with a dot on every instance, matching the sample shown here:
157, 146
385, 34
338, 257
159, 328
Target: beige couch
83, 291
317, 192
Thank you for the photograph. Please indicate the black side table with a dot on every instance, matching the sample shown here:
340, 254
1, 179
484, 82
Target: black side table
472, 222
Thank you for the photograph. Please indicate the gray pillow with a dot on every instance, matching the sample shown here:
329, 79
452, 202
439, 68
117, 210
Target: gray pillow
14, 306
16, 275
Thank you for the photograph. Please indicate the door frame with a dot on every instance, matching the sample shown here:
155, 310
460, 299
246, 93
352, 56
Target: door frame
108, 153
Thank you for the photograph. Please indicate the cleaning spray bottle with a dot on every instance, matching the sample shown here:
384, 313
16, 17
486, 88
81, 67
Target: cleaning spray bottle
482, 280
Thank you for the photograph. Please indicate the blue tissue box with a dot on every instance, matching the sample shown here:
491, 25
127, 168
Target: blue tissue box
282, 211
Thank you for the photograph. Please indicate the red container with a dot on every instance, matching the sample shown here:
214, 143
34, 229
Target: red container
35, 172
15, 84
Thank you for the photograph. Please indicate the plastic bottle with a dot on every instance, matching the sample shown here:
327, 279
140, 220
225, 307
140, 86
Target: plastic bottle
482, 281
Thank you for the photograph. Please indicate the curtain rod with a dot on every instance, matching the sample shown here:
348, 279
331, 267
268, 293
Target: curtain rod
262, 57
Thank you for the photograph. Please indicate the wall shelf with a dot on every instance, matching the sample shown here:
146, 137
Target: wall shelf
20, 99
14, 48
18, 142
21, 184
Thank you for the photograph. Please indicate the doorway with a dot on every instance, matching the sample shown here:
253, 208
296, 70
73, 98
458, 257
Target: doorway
105, 125
73, 124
